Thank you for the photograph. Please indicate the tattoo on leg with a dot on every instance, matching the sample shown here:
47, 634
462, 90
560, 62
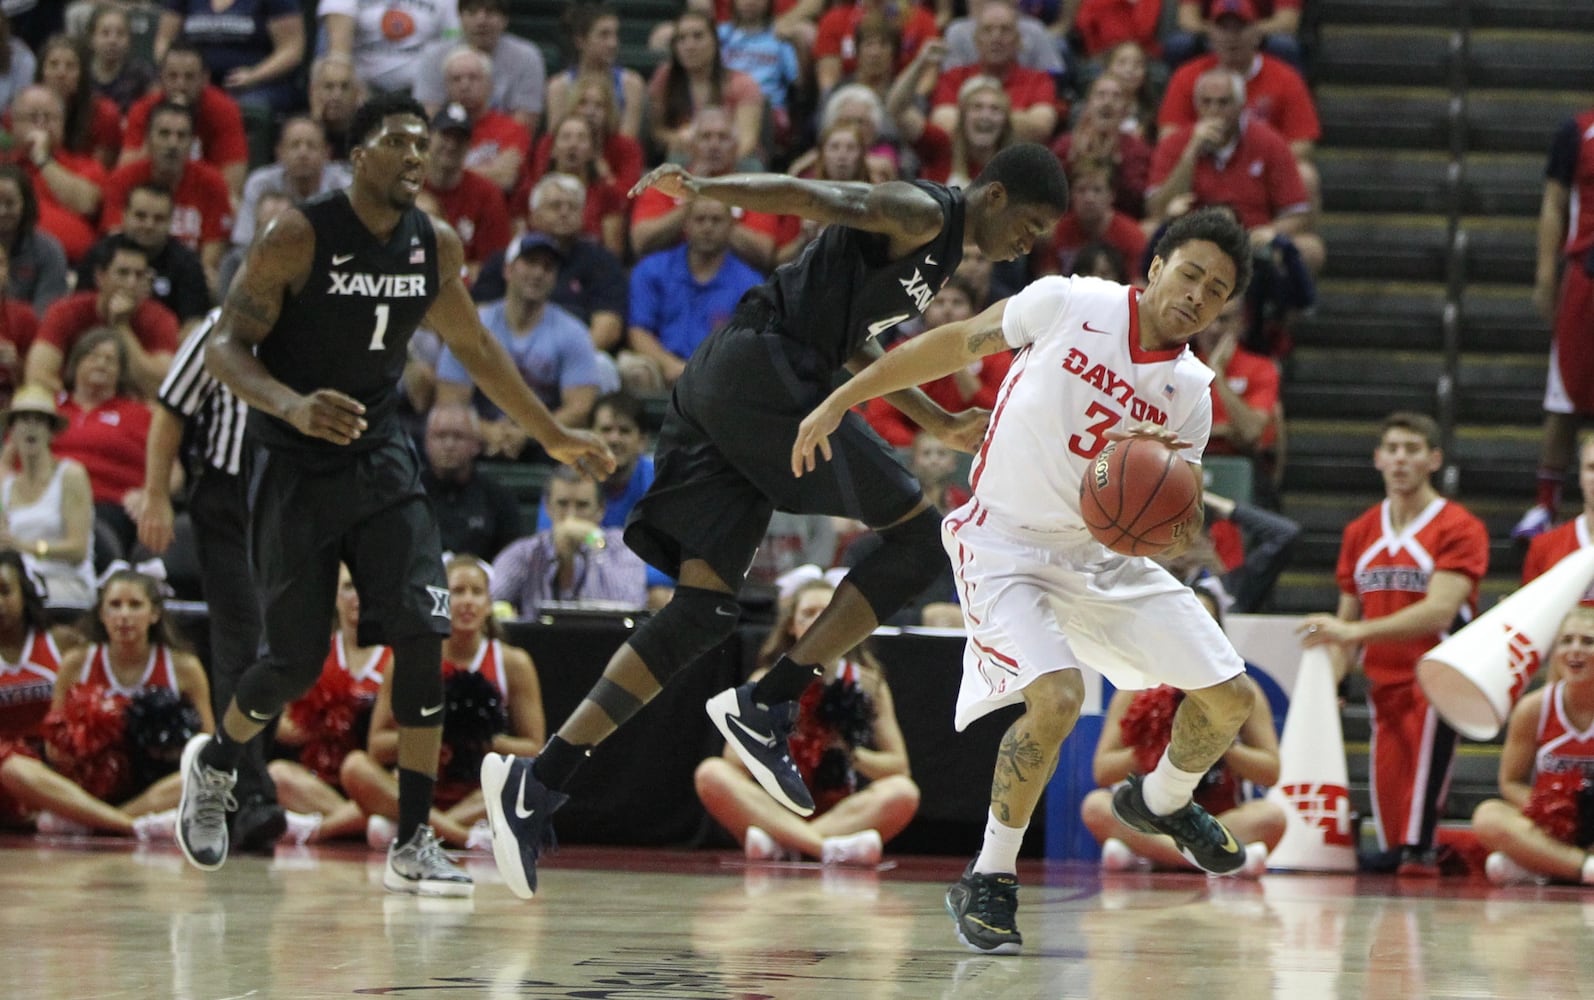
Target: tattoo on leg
1019, 759
1196, 743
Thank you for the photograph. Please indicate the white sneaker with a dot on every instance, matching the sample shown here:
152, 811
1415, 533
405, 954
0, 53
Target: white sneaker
760, 846
50, 824
156, 826
1255, 860
1535, 521
1117, 857
301, 827
480, 837
1502, 870
379, 832
861, 849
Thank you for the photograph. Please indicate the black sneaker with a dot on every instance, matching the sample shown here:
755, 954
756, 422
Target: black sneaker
758, 734
1203, 841
984, 911
202, 810
519, 808
257, 826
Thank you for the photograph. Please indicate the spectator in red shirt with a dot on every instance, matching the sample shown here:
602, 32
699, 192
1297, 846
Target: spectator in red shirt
1032, 93
835, 47
1099, 136
218, 124
66, 184
1230, 158
107, 426
122, 302
201, 204
1091, 218
1278, 21
18, 325
592, 97
471, 203
695, 77
499, 144
575, 152
657, 218
982, 125
1102, 24
93, 123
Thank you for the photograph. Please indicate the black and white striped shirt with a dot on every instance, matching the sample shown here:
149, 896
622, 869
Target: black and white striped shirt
215, 416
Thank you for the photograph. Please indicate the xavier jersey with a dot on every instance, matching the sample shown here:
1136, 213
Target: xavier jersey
1572, 164
489, 662
1079, 374
1561, 748
349, 327
367, 676
1551, 547
27, 686
1388, 570
159, 671
845, 287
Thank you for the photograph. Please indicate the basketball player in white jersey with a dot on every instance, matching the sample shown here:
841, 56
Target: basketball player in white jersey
1042, 599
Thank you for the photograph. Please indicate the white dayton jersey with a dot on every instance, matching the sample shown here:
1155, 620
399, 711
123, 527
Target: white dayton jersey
1080, 374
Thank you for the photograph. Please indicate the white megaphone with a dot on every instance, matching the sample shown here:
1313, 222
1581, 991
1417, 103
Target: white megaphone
1314, 786
1474, 677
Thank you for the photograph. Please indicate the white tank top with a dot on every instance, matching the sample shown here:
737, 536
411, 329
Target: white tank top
43, 519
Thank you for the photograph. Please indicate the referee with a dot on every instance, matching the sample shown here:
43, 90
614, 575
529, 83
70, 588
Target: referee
196, 407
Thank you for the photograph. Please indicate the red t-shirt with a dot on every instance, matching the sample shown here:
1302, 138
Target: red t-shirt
1130, 171
201, 205
839, 25
1258, 179
1551, 547
622, 153
475, 208
219, 137
653, 203
1255, 379
492, 133
604, 199
1025, 87
108, 440
19, 326
898, 430
934, 149
1386, 572
1274, 92
73, 315
75, 233
1105, 23
1057, 255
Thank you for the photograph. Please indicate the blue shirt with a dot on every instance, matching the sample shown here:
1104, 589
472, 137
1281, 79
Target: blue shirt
555, 355
762, 55
679, 310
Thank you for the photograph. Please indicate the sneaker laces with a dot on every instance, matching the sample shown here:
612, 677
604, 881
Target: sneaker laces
429, 852
214, 799
993, 892
1191, 825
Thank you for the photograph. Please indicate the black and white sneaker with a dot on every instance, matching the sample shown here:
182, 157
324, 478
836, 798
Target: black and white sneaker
420, 868
519, 808
1203, 841
758, 734
202, 811
984, 911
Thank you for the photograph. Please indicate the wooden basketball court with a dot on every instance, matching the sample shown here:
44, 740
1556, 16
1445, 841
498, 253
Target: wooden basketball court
101, 919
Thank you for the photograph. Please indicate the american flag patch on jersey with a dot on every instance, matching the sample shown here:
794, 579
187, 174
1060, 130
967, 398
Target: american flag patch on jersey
1167, 390
417, 256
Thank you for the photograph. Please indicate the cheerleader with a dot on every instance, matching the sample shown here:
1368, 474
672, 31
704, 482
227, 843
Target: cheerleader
847, 746
30, 656
133, 650
1540, 829
507, 695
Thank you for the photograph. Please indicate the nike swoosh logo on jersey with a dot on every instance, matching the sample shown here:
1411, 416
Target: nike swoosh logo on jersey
427, 713
521, 811
929, 260
880, 326
1092, 329
759, 738
258, 718
341, 258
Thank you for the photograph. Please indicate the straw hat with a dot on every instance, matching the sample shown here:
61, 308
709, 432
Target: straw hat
33, 399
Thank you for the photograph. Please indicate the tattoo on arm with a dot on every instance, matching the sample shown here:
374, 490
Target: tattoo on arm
979, 341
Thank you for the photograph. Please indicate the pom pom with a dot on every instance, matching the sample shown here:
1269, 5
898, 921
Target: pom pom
336, 719
158, 724
848, 710
1554, 805
86, 740
1147, 725
474, 716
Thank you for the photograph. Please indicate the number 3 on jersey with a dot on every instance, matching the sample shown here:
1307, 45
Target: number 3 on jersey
1091, 446
381, 328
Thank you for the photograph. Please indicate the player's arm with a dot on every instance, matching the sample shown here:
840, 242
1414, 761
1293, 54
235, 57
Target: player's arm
908, 215
962, 431
278, 263
928, 356
1516, 756
453, 315
160, 453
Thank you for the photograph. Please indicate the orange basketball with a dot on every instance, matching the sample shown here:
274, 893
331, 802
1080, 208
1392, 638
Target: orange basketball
1139, 497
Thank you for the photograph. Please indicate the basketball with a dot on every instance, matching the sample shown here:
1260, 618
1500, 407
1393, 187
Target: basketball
1139, 497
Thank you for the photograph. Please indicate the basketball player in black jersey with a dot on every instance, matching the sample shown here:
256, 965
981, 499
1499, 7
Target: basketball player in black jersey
313, 336
722, 460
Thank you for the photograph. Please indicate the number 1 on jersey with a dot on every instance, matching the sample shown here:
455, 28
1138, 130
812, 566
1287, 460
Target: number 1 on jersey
381, 328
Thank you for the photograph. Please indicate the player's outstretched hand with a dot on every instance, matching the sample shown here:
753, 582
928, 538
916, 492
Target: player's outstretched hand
671, 178
329, 415
814, 433
966, 430
584, 451
1150, 430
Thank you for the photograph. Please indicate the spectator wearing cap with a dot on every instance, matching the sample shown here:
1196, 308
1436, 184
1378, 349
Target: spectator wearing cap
499, 145
218, 123
519, 73
1277, 21
1032, 94
591, 281
681, 295
303, 169
66, 185
1231, 158
48, 502
470, 203
201, 203
551, 349
177, 279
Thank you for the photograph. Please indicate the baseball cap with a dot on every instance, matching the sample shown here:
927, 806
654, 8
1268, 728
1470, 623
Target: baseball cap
1244, 10
452, 118
533, 241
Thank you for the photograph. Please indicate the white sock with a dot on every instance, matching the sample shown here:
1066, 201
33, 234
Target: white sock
1588, 870
999, 853
1168, 788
